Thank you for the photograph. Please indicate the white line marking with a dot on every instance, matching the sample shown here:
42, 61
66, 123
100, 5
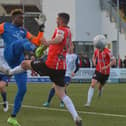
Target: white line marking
81, 112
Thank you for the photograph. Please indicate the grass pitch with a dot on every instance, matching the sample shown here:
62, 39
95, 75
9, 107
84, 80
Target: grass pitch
109, 110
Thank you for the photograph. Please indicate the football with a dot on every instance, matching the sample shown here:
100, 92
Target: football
99, 41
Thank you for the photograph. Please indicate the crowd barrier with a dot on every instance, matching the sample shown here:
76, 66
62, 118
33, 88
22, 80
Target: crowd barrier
82, 76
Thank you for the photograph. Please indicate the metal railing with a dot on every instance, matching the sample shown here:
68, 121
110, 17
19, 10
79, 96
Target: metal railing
111, 9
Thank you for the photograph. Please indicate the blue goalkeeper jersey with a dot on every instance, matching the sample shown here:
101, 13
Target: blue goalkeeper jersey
14, 38
12, 33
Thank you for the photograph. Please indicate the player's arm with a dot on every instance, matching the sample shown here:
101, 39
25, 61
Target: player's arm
35, 39
94, 59
112, 62
1, 28
58, 39
77, 64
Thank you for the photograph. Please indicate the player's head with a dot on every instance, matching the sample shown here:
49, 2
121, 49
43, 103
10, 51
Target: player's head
99, 41
17, 17
63, 19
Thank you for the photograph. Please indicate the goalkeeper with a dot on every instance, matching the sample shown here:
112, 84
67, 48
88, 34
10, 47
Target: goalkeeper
16, 40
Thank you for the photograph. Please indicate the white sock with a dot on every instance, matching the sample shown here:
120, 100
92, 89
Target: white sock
16, 70
4, 68
90, 95
69, 105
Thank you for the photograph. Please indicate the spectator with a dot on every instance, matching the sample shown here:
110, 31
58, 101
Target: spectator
85, 61
124, 62
80, 60
120, 63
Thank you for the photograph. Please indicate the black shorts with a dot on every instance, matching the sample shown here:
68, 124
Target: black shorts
100, 77
56, 76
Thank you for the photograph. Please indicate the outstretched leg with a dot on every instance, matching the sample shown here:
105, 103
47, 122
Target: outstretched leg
20, 46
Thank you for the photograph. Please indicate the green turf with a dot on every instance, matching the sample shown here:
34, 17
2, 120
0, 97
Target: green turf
113, 101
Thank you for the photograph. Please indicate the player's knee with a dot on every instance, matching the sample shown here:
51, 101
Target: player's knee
92, 85
25, 65
1, 88
2, 85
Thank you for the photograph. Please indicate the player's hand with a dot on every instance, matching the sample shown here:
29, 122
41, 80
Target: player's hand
40, 51
94, 64
41, 21
44, 42
104, 68
73, 74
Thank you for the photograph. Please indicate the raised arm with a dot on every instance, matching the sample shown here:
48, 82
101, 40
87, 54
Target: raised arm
35, 39
77, 63
1, 28
94, 59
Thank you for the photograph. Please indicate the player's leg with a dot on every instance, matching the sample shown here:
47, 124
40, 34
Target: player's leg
11, 71
95, 79
60, 91
25, 65
102, 82
20, 46
61, 102
67, 81
14, 51
100, 89
91, 92
4, 69
58, 78
3, 91
16, 70
50, 96
21, 80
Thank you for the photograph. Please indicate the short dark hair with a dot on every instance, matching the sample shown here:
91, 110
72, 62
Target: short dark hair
65, 17
16, 12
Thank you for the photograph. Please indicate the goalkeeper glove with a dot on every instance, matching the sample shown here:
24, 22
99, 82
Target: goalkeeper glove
40, 51
41, 22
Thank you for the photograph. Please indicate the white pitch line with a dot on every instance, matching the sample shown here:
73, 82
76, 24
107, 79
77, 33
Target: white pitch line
63, 110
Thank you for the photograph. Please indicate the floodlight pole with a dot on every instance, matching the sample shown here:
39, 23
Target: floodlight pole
41, 5
23, 8
23, 12
118, 32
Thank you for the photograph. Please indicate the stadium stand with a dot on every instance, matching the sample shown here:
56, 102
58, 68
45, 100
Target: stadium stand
31, 11
2, 10
27, 8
